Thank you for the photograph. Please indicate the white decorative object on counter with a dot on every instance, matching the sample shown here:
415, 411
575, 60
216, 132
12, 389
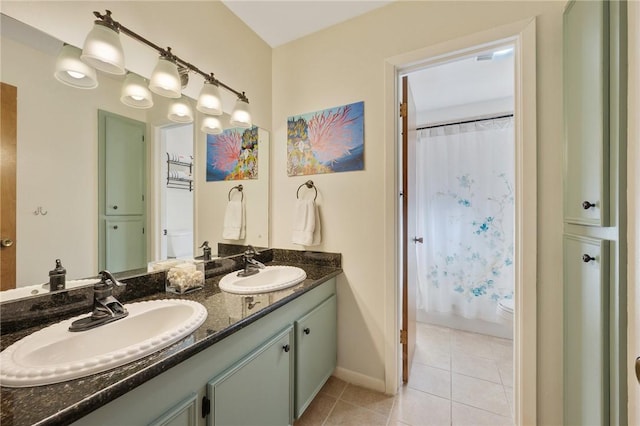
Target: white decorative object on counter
185, 276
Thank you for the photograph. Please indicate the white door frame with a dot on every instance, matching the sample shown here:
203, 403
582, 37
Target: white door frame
633, 207
522, 35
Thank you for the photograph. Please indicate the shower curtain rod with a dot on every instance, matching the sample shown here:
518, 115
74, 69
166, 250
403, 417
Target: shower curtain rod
465, 122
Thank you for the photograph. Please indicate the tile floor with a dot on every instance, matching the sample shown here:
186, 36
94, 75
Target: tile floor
457, 378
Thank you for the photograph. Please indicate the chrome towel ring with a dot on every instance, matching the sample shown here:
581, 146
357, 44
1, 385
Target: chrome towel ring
309, 184
239, 188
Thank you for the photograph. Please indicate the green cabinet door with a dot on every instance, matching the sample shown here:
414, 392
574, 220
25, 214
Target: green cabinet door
121, 189
316, 352
586, 335
183, 414
259, 389
124, 166
586, 113
125, 243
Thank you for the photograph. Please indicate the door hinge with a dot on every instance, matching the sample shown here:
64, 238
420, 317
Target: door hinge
143, 229
403, 109
404, 337
206, 406
142, 138
142, 197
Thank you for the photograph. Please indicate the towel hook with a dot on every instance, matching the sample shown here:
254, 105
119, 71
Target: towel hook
239, 188
309, 184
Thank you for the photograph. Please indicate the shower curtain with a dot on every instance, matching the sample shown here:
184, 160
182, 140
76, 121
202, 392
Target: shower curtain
465, 201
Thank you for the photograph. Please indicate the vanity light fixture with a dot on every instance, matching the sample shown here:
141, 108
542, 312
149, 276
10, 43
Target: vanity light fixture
72, 71
165, 78
241, 117
180, 111
209, 101
211, 125
135, 92
103, 50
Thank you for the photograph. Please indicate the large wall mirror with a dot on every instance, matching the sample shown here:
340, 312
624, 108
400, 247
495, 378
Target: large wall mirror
57, 171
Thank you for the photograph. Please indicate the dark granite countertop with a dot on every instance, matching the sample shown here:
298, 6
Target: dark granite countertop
65, 402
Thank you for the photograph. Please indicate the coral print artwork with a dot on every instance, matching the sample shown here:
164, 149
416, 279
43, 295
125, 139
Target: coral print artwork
326, 141
233, 155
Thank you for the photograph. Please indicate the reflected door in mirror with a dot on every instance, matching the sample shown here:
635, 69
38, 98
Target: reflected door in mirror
8, 139
123, 183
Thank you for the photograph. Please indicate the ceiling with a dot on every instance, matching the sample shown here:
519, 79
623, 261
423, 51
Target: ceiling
462, 82
456, 83
279, 22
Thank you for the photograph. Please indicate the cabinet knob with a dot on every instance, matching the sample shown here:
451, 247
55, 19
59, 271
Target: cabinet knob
6, 242
586, 258
307, 330
286, 348
587, 205
115, 226
115, 207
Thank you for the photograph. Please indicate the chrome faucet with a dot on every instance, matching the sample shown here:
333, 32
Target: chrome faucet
106, 308
251, 266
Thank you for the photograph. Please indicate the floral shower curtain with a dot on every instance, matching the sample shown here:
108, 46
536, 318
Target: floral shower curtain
465, 200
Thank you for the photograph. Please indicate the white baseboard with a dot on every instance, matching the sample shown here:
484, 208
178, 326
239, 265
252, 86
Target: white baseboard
504, 331
359, 379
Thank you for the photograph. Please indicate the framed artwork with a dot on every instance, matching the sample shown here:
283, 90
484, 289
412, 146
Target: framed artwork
233, 155
327, 141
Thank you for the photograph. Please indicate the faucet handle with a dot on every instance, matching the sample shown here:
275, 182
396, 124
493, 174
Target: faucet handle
108, 279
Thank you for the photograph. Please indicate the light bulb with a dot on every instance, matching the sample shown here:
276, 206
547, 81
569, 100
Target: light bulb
135, 92
71, 71
165, 79
102, 49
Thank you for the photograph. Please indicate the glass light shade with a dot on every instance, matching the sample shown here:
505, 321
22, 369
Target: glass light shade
103, 50
165, 79
180, 111
211, 125
135, 92
241, 117
72, 71
209, 100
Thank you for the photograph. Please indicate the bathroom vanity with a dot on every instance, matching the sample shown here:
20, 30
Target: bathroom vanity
257, 359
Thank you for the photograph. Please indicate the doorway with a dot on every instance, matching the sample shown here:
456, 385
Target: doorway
461, 231
522, 36
175, 182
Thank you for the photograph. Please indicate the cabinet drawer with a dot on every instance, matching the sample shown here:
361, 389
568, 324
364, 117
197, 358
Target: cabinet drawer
315, 352
586, 332
586, 113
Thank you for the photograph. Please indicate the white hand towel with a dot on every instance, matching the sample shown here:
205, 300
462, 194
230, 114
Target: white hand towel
317, 235
234, 218
304, 222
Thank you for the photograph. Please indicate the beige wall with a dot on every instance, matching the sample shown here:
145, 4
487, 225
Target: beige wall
346, 63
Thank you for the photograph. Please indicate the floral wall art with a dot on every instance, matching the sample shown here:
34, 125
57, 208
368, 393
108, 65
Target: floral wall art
327, 141
233, 155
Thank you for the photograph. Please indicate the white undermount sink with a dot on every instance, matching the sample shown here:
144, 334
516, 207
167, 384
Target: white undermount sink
270, 278
54, 354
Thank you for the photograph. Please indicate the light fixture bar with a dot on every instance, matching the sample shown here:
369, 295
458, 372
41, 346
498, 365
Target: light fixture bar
108, 20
